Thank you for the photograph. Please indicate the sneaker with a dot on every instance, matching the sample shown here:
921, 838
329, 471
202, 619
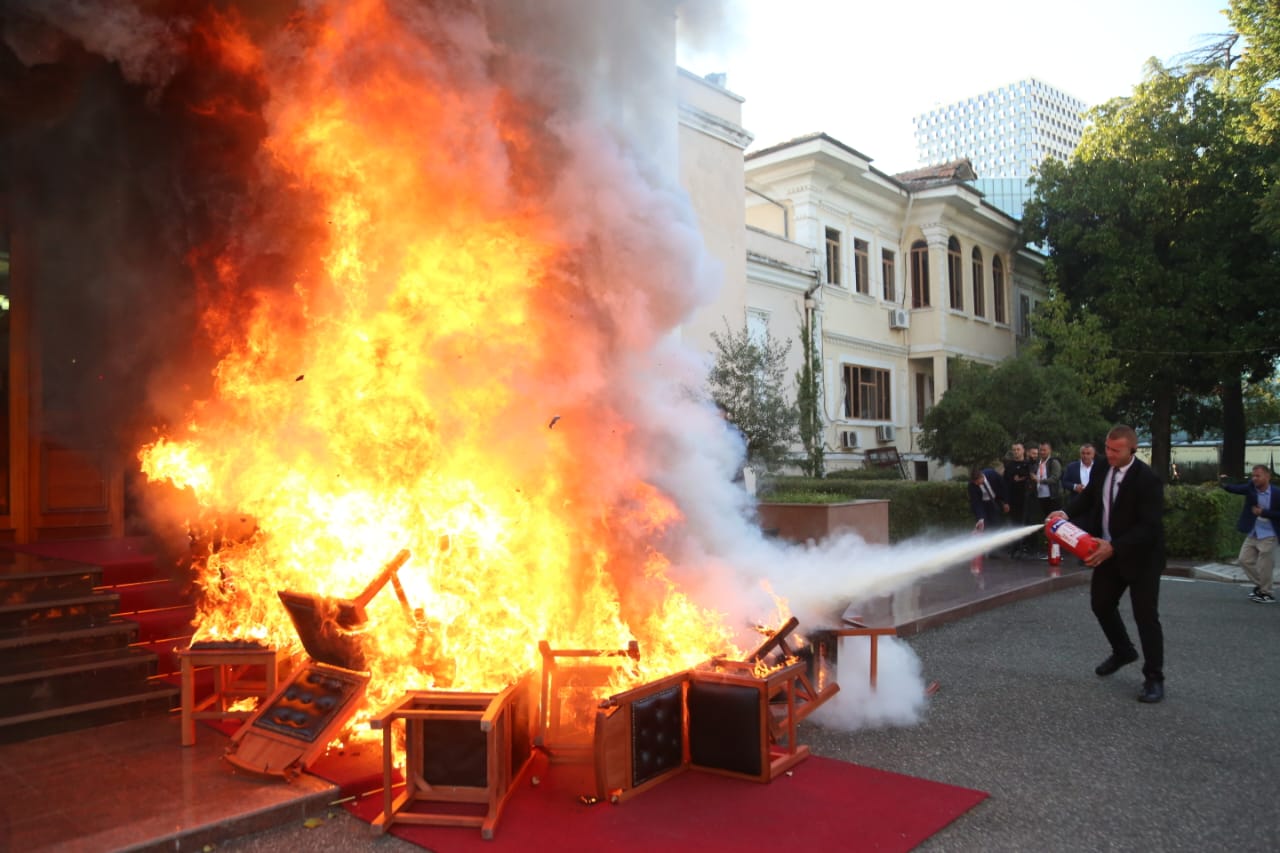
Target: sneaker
1263, 598
1254, 592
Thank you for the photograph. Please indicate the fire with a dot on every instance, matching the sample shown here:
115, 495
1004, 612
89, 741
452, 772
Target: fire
428, 376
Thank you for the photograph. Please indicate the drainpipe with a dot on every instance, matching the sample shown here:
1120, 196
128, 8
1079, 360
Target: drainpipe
813, 313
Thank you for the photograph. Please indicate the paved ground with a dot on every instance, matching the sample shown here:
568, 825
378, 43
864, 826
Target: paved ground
1072, 761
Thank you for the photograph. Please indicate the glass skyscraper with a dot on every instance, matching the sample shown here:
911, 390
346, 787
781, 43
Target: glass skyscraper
1006, 133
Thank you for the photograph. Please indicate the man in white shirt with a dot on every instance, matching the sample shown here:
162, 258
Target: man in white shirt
1075, 477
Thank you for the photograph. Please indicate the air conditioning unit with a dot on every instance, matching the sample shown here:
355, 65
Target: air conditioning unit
884, 432
899, 318
848, 439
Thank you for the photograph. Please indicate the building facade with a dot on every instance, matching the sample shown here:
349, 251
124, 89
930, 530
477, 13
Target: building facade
898, 274
902, 276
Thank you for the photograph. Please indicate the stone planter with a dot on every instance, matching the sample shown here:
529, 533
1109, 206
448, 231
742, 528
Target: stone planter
802, 522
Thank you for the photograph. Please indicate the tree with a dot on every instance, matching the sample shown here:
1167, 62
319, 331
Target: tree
746, 382
1254, 77
986, 409
1150, 232
1076, 340
809, 402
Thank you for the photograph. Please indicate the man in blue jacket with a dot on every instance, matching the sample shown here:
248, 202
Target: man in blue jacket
1259, 520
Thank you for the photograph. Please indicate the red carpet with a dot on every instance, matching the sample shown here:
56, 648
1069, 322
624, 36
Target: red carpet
824, 805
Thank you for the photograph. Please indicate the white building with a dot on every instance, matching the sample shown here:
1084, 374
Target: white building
901, 273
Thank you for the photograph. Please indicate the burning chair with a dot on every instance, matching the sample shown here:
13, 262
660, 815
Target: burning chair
736, 718
295, 724
464, 753
569, 674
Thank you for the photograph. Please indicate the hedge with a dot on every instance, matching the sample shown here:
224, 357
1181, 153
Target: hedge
1199, 521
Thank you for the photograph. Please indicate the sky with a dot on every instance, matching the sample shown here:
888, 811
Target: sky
860, 71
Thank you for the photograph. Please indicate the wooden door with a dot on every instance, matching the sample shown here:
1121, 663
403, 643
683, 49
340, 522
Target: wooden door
58, 480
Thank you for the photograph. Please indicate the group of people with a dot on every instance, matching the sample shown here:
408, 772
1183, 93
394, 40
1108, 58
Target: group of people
1121, 503
1033, 484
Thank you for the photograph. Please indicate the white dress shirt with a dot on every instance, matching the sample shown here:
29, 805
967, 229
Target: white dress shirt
1115, 476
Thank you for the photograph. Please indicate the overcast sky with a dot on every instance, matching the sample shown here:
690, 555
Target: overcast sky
859, 71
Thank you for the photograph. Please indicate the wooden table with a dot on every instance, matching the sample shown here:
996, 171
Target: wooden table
237, 674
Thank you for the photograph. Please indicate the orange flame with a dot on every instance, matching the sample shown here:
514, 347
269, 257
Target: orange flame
426, 380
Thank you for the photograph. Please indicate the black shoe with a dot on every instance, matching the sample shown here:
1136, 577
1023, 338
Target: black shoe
1114, 662
1152, 691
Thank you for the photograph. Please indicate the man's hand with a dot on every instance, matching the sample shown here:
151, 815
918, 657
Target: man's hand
1257, 510
1102, 554
1006, 507
1057, 513
981, 525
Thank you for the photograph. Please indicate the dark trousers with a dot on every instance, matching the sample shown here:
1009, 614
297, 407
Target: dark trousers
1105, 591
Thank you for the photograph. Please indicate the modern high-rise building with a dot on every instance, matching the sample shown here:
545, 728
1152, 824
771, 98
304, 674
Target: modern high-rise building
1005, 133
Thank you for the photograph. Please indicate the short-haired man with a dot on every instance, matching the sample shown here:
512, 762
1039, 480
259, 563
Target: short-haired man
987, 498
1259, 520
1123, 506
1017, 476
1075, 477
1047, 475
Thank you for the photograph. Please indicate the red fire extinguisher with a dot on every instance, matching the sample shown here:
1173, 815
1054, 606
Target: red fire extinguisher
1059, 531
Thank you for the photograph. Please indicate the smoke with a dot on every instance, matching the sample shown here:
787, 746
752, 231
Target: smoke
161, 160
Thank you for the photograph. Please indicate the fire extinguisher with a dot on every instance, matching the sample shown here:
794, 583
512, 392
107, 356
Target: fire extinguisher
1059, 531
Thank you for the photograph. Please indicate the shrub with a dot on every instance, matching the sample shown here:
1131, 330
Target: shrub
1199, 521
865, 474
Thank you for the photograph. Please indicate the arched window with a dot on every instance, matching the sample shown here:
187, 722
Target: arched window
955, 282
998, 298
979, 285
919, 274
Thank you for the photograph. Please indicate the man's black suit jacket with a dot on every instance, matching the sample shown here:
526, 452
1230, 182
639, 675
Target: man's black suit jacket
1137, 517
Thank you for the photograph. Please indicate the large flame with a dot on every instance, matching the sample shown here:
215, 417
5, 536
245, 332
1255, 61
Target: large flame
429, 375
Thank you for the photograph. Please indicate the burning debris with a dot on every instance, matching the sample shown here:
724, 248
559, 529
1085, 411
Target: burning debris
443, 216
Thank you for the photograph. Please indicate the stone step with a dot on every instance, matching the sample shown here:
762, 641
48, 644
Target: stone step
150, 595
129, 703
51, 642
72, 680
77, 611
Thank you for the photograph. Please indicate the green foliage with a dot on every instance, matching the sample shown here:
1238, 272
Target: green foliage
1254, 77
865, 474
1152, 244
809, 403
1076, 341
986, 409
746, 382
1199, 521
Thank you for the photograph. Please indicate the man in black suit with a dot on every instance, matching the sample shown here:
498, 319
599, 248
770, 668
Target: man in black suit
987, 497
1123, 506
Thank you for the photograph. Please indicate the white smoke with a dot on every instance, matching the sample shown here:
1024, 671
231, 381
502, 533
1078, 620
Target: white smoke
607, 73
